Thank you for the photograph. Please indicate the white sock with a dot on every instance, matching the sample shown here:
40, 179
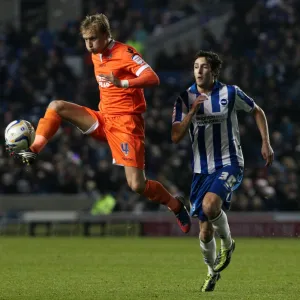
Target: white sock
209, 254
221, 226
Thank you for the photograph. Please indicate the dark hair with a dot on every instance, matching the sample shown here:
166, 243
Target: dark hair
213, 59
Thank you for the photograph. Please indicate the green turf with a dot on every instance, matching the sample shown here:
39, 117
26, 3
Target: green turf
137, 269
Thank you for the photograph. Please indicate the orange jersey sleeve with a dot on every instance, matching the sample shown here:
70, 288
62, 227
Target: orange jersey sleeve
126, 64
133, 61
147, 78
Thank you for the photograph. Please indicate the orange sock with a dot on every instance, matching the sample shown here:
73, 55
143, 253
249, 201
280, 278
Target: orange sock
46, 129
156, 192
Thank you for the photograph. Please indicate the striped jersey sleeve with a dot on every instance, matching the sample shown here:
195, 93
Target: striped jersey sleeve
180, 107
243, 101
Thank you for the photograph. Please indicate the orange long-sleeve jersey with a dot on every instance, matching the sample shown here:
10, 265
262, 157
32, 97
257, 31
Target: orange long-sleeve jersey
126, 64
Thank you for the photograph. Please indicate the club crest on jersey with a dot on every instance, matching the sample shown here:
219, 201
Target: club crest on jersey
125, 148
130, 50
223, 101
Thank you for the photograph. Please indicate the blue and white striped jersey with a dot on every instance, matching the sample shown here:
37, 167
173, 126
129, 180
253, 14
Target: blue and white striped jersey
214, 130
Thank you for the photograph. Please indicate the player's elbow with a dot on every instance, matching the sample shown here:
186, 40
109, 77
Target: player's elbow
157, 80
175, 133
257, 109
149, 78
175, 138
258, 112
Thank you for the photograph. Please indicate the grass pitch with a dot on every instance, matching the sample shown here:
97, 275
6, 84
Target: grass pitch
143, 268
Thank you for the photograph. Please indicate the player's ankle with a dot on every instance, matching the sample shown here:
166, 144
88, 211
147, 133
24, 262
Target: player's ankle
176, 206
211, 271
226, 243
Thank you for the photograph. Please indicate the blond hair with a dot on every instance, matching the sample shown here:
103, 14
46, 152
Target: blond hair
97, 22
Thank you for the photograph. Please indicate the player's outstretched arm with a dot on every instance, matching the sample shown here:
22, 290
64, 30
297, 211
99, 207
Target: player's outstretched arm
147, 78
179, 129
262, 124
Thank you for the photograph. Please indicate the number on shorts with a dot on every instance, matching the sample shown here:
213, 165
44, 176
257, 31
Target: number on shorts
224, 175
230, 181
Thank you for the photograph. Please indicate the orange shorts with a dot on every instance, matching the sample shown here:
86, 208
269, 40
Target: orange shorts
125, 136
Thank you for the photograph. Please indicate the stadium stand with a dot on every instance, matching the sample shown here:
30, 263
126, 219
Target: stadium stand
34, 69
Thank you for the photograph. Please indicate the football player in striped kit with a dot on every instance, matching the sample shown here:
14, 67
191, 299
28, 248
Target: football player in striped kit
208, 111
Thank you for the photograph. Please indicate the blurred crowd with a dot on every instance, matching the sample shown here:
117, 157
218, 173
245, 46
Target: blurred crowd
261, 53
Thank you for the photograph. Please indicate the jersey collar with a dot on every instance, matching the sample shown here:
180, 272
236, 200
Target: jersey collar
193, 88
107, 49
109, 46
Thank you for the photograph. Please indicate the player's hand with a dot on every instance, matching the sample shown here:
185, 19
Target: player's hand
196, 105
112, 79
267, 153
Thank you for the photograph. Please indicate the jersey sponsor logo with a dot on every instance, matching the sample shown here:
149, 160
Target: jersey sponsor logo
102, 81
206, 120
136, 58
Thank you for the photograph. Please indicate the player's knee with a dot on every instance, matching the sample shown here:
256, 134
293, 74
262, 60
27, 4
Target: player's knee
211, 206
210, 210
137, 186
206, 235
57, 105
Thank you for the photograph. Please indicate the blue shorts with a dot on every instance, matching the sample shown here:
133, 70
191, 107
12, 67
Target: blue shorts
222, 182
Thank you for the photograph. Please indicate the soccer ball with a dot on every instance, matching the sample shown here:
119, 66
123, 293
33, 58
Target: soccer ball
19, 135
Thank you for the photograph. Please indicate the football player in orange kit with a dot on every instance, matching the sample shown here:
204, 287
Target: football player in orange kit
121, 74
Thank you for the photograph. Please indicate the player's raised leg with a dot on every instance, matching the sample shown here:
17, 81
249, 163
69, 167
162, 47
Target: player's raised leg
208, 249
57, 111
212, 208
156, 192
